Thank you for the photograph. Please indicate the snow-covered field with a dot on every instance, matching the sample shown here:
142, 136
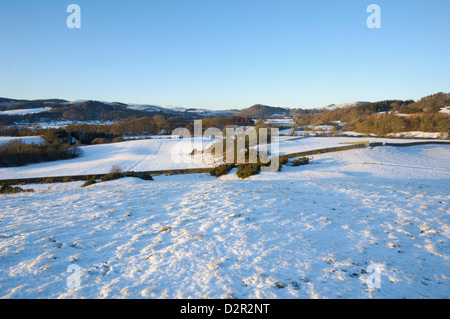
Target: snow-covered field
281, 122
445, 110
135, 155
306, 232
25, 111
420, 134
289, 144
158, 154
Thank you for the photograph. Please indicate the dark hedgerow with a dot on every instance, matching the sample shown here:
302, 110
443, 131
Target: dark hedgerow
222, 169
247, 170
116, 175
7, 189
300, 161
112, 176
17, 153
89, 182
144, 176
282, 161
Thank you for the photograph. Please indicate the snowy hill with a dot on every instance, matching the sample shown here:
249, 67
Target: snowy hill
314, 231
258, 111
157, 154
180, 110
331, 107
82, 109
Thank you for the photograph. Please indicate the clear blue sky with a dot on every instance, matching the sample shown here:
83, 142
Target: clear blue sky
224, 53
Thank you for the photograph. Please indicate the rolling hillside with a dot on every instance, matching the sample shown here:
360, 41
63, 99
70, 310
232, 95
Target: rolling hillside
259, 111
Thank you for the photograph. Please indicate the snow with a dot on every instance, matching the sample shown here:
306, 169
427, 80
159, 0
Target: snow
342, 106
445, 110
318, 127
174, 108
339, 123
306, 232
60, 124
164, 108
351, 133
23, 139
160, 154
283, 121
287, 131
289, 144
420, 134
149, 108
76, 101
134, 155
137, 137
403, 114
25, 111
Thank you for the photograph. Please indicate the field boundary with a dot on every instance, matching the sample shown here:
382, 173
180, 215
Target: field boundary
86, 177
415, 143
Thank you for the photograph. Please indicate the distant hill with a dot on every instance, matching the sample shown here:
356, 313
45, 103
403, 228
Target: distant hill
428, 114
258, 111
14, 111
5, 102
11, 104
341, 106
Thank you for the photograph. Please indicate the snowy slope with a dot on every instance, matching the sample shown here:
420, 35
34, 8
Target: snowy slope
289, 145
305, 232
135, 155
25, 111
445, 110
341, 106
281, 122
419, 134
159, 154
165, 108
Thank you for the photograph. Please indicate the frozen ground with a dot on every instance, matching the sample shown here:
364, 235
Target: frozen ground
420, 134
283, 121
445, 110
306, 232
25, 111
136, 155
160, 154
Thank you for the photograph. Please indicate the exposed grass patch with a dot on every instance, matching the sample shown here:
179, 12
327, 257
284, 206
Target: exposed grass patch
7, 189
222, 169
356, 143
111, 176
165, 228
300, 161
117, 173
89, 182
247, 170
280, 285
283, 160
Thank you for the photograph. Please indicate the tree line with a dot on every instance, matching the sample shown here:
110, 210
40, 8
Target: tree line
390, 116
87, 134
18, 153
